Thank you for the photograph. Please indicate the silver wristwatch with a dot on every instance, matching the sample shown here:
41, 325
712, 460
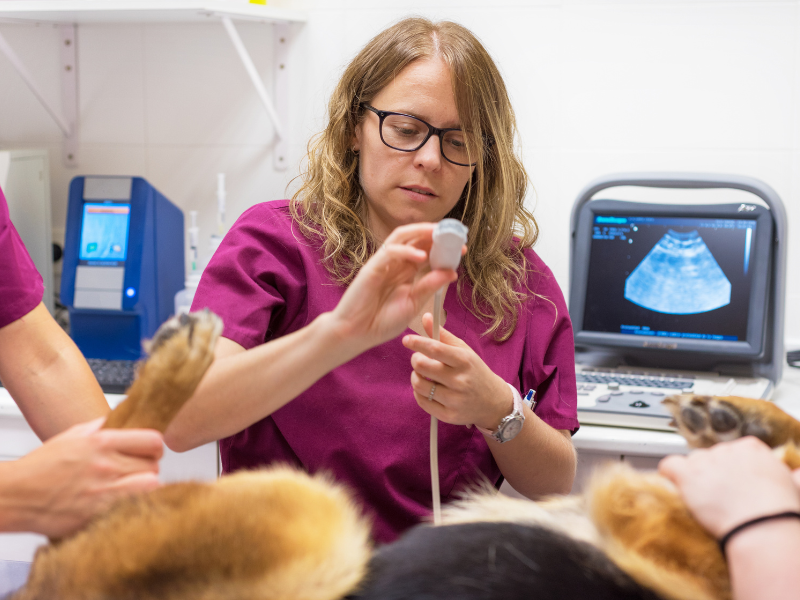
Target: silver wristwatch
511, 425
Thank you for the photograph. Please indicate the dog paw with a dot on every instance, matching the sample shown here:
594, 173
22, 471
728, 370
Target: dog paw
183, 347
707, 420
180, 353
199, 328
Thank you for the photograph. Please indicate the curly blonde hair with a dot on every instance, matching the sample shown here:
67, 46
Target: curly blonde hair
330, 204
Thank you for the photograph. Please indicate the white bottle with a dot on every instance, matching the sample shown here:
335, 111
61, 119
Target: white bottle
184, 298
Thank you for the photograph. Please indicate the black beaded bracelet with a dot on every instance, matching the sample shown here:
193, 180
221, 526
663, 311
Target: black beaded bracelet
756, 521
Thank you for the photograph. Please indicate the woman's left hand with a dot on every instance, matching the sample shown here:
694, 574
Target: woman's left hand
466, 390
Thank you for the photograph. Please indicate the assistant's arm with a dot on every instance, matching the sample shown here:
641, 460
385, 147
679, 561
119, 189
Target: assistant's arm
59, 487
730, 484
763, 561
47, 375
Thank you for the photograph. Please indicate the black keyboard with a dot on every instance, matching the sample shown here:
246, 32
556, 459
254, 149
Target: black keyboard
674, 383
114, 376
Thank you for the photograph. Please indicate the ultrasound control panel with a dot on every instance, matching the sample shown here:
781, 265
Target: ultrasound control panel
632, 397
645, 403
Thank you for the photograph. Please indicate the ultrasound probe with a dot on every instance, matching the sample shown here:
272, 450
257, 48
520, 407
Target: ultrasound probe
449, 237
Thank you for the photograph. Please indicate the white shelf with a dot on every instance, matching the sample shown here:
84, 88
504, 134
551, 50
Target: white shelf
142, 11
68, 14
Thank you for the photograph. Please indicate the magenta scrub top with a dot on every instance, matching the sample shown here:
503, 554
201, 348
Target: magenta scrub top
360, 422
21, 286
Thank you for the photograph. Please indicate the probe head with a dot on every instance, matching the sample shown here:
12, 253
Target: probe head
449, 237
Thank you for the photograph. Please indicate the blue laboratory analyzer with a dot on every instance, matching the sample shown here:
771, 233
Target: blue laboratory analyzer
123, 264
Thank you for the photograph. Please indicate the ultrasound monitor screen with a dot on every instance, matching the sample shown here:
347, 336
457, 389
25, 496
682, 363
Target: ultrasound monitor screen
104, 232
670, 277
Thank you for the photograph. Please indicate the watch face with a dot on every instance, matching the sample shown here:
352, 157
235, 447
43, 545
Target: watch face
510, 429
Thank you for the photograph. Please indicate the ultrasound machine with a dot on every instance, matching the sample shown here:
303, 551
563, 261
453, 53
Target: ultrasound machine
675, 298
123, 265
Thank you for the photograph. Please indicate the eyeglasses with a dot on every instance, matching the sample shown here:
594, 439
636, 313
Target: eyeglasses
408, 134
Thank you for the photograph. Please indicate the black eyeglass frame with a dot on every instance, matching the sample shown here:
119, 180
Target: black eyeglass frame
382, 114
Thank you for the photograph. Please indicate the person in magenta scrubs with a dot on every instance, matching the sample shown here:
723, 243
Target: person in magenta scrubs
312, 371
79, 470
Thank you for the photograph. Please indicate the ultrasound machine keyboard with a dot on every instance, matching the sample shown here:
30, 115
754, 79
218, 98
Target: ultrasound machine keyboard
614, 380
114, 376
632, 397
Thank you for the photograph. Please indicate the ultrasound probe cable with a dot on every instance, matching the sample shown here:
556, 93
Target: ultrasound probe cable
449, 237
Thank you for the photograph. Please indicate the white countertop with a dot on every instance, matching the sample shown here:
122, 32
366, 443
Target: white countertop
593, 438
8, 408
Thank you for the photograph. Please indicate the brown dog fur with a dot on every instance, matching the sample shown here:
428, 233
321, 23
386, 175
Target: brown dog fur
181, 352
255, 535
638, 519
646, 518
276, 534
280, 534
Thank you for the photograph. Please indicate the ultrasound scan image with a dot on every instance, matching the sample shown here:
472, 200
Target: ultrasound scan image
679, 276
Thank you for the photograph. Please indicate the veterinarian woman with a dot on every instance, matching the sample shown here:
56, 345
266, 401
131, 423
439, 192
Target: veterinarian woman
420, 128
731, 487
76, 473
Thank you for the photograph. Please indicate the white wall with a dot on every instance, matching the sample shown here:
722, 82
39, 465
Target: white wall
598, 87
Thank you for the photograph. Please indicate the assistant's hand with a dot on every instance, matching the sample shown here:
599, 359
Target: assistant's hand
732, 482
56, 489
467, 390
392, 287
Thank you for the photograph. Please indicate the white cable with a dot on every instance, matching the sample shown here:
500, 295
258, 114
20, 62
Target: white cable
449, 237
437, 498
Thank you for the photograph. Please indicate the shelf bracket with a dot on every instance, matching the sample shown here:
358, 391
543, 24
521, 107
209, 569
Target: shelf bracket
277, 116
66, 123
69, 91
281, 71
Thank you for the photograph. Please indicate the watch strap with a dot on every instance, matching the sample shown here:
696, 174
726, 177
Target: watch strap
516, 410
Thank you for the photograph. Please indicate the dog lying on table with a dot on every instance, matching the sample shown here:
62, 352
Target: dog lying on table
279, 533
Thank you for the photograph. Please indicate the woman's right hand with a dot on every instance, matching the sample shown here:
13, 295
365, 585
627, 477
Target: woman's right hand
59, 487
391, 288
